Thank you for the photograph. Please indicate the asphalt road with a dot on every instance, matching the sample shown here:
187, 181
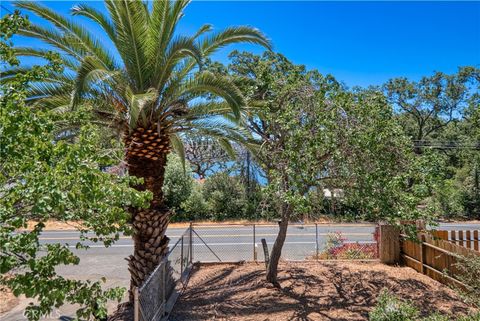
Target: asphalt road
228, 242
210, 243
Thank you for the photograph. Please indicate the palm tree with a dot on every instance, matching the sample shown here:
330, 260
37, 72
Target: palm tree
148, 85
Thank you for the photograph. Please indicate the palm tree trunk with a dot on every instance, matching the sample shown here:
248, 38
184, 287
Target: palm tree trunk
149, 225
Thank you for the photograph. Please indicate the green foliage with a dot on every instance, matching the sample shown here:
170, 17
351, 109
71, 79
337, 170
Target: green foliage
436, 317
218, 197
178, 182
194, 207
315, 134
432, 103
391, 308
43, 176
150, 75
468, 268
440, 114
9, 26
225, 196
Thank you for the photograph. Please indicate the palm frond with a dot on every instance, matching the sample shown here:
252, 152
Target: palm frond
74, 33
139, 107
91, 69
207, 82
179, 48
96, 16
178, 147
130, 21
42, 53
232, 35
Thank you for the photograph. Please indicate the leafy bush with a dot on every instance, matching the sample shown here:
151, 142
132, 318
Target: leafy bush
178, 182
337, 248
225, 196
194, 207
391, 308
468, 268
436, 317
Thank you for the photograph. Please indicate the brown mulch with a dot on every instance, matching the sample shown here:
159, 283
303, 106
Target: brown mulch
310, 291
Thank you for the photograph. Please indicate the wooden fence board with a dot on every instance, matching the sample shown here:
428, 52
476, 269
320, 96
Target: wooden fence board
436, 255
469, 239
468, 243
477, 241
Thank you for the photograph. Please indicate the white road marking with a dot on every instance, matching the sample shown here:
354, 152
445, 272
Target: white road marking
218, 235
219, 244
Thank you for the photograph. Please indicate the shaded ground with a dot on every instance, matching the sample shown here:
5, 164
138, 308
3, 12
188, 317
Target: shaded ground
310, 291
7, 299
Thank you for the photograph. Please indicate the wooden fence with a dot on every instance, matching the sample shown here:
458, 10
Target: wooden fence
468, 239
434, 256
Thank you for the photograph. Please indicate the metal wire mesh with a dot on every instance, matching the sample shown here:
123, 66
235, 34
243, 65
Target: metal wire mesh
169, 276
242, 242
225, 243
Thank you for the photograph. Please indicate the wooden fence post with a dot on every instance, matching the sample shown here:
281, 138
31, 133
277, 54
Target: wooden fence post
423, 253
389, 244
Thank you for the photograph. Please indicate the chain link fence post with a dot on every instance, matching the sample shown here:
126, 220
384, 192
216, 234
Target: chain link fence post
181, 259
254, 244
316, 241
191, 243
164, 291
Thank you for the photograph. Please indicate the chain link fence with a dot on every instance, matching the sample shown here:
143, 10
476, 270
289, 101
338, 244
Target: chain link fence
155, 298
243, 242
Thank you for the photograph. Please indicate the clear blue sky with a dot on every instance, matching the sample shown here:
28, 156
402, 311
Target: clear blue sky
360, 43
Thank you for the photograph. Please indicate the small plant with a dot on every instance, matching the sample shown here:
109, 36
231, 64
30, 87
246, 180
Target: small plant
468, 272
437, 317
337, 248
391, 308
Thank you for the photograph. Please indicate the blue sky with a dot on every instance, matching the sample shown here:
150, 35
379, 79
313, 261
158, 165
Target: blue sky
360, 43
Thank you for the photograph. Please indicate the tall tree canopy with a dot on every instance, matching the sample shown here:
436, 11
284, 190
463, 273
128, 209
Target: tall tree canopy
44, 178
150, 89
433, 102
312, 133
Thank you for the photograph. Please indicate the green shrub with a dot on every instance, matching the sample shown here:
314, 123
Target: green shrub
470, 317
468, 268
194, 207
440, 317
436, 317
391, 308
225, 196
178, 182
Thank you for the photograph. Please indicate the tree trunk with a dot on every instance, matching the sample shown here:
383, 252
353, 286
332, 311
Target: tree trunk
272, 269
146, 157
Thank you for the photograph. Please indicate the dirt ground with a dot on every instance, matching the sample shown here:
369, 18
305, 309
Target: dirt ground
342, 291
7, 299
53, 225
